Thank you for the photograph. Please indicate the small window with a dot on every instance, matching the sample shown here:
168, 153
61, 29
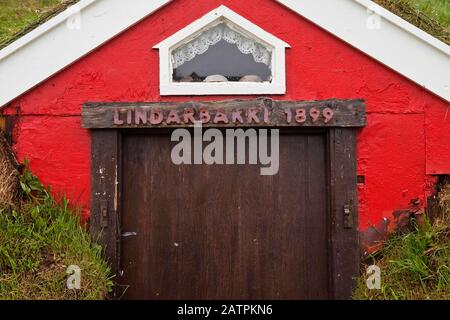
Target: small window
222, 53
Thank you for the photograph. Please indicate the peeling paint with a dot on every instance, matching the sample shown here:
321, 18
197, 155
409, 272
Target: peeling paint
129, 234
401, 221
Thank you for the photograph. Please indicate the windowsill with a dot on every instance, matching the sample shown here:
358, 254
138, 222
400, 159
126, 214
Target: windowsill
221, 88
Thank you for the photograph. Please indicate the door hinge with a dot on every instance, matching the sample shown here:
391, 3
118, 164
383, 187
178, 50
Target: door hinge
104, 214
348, 217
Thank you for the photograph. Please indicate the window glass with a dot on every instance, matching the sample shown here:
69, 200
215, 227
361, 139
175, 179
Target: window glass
222, 54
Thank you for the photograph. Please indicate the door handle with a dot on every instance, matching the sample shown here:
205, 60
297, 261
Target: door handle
104, 214
348, 217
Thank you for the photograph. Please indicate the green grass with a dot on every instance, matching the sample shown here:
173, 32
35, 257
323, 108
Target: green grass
438, 10
432, 16
414, 266
18, 15
39, 239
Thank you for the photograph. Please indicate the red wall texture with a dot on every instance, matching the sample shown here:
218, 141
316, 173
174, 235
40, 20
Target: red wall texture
406, 141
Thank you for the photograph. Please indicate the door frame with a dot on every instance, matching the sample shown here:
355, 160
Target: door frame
342, 215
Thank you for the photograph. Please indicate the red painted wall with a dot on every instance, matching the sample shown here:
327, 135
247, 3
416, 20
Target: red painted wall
407, 139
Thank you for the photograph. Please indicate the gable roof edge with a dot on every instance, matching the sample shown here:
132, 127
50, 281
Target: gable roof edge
405, 25
45, 27
383, 36
60, 42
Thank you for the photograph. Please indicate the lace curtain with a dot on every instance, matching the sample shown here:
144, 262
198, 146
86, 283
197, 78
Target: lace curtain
201, 44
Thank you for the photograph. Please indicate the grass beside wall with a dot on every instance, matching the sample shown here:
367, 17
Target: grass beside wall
414, 266
39, 239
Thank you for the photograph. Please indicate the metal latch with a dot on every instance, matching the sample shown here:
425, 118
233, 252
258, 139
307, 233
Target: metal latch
104, 214
348, 217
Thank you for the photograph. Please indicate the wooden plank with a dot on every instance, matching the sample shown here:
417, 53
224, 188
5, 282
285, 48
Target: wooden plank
7, 124
261, 112
2, 123
105, 174
343, 198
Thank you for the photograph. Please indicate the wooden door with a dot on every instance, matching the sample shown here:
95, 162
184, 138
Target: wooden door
224, 231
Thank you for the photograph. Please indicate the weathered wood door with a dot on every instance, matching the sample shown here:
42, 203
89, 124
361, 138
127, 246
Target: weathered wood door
226, 231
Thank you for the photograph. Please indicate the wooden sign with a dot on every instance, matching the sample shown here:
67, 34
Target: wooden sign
233, 113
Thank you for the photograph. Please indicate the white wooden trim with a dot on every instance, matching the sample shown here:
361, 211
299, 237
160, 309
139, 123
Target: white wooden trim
225, 88
396, 43
222, 13
53, 46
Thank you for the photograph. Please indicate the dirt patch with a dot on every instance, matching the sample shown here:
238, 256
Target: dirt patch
9, 173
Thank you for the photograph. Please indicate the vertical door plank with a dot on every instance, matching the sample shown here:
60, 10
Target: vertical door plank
105, 197
343, 189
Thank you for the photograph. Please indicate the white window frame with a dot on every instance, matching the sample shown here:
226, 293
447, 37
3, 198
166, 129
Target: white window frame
219, 15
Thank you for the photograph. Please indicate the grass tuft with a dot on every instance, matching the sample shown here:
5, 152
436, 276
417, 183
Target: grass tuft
414, 266
39, 240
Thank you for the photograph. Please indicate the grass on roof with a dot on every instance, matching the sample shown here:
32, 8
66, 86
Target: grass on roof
17, 17
432, 16
438, 10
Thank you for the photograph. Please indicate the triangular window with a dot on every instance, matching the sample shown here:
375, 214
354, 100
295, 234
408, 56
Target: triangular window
222, 53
